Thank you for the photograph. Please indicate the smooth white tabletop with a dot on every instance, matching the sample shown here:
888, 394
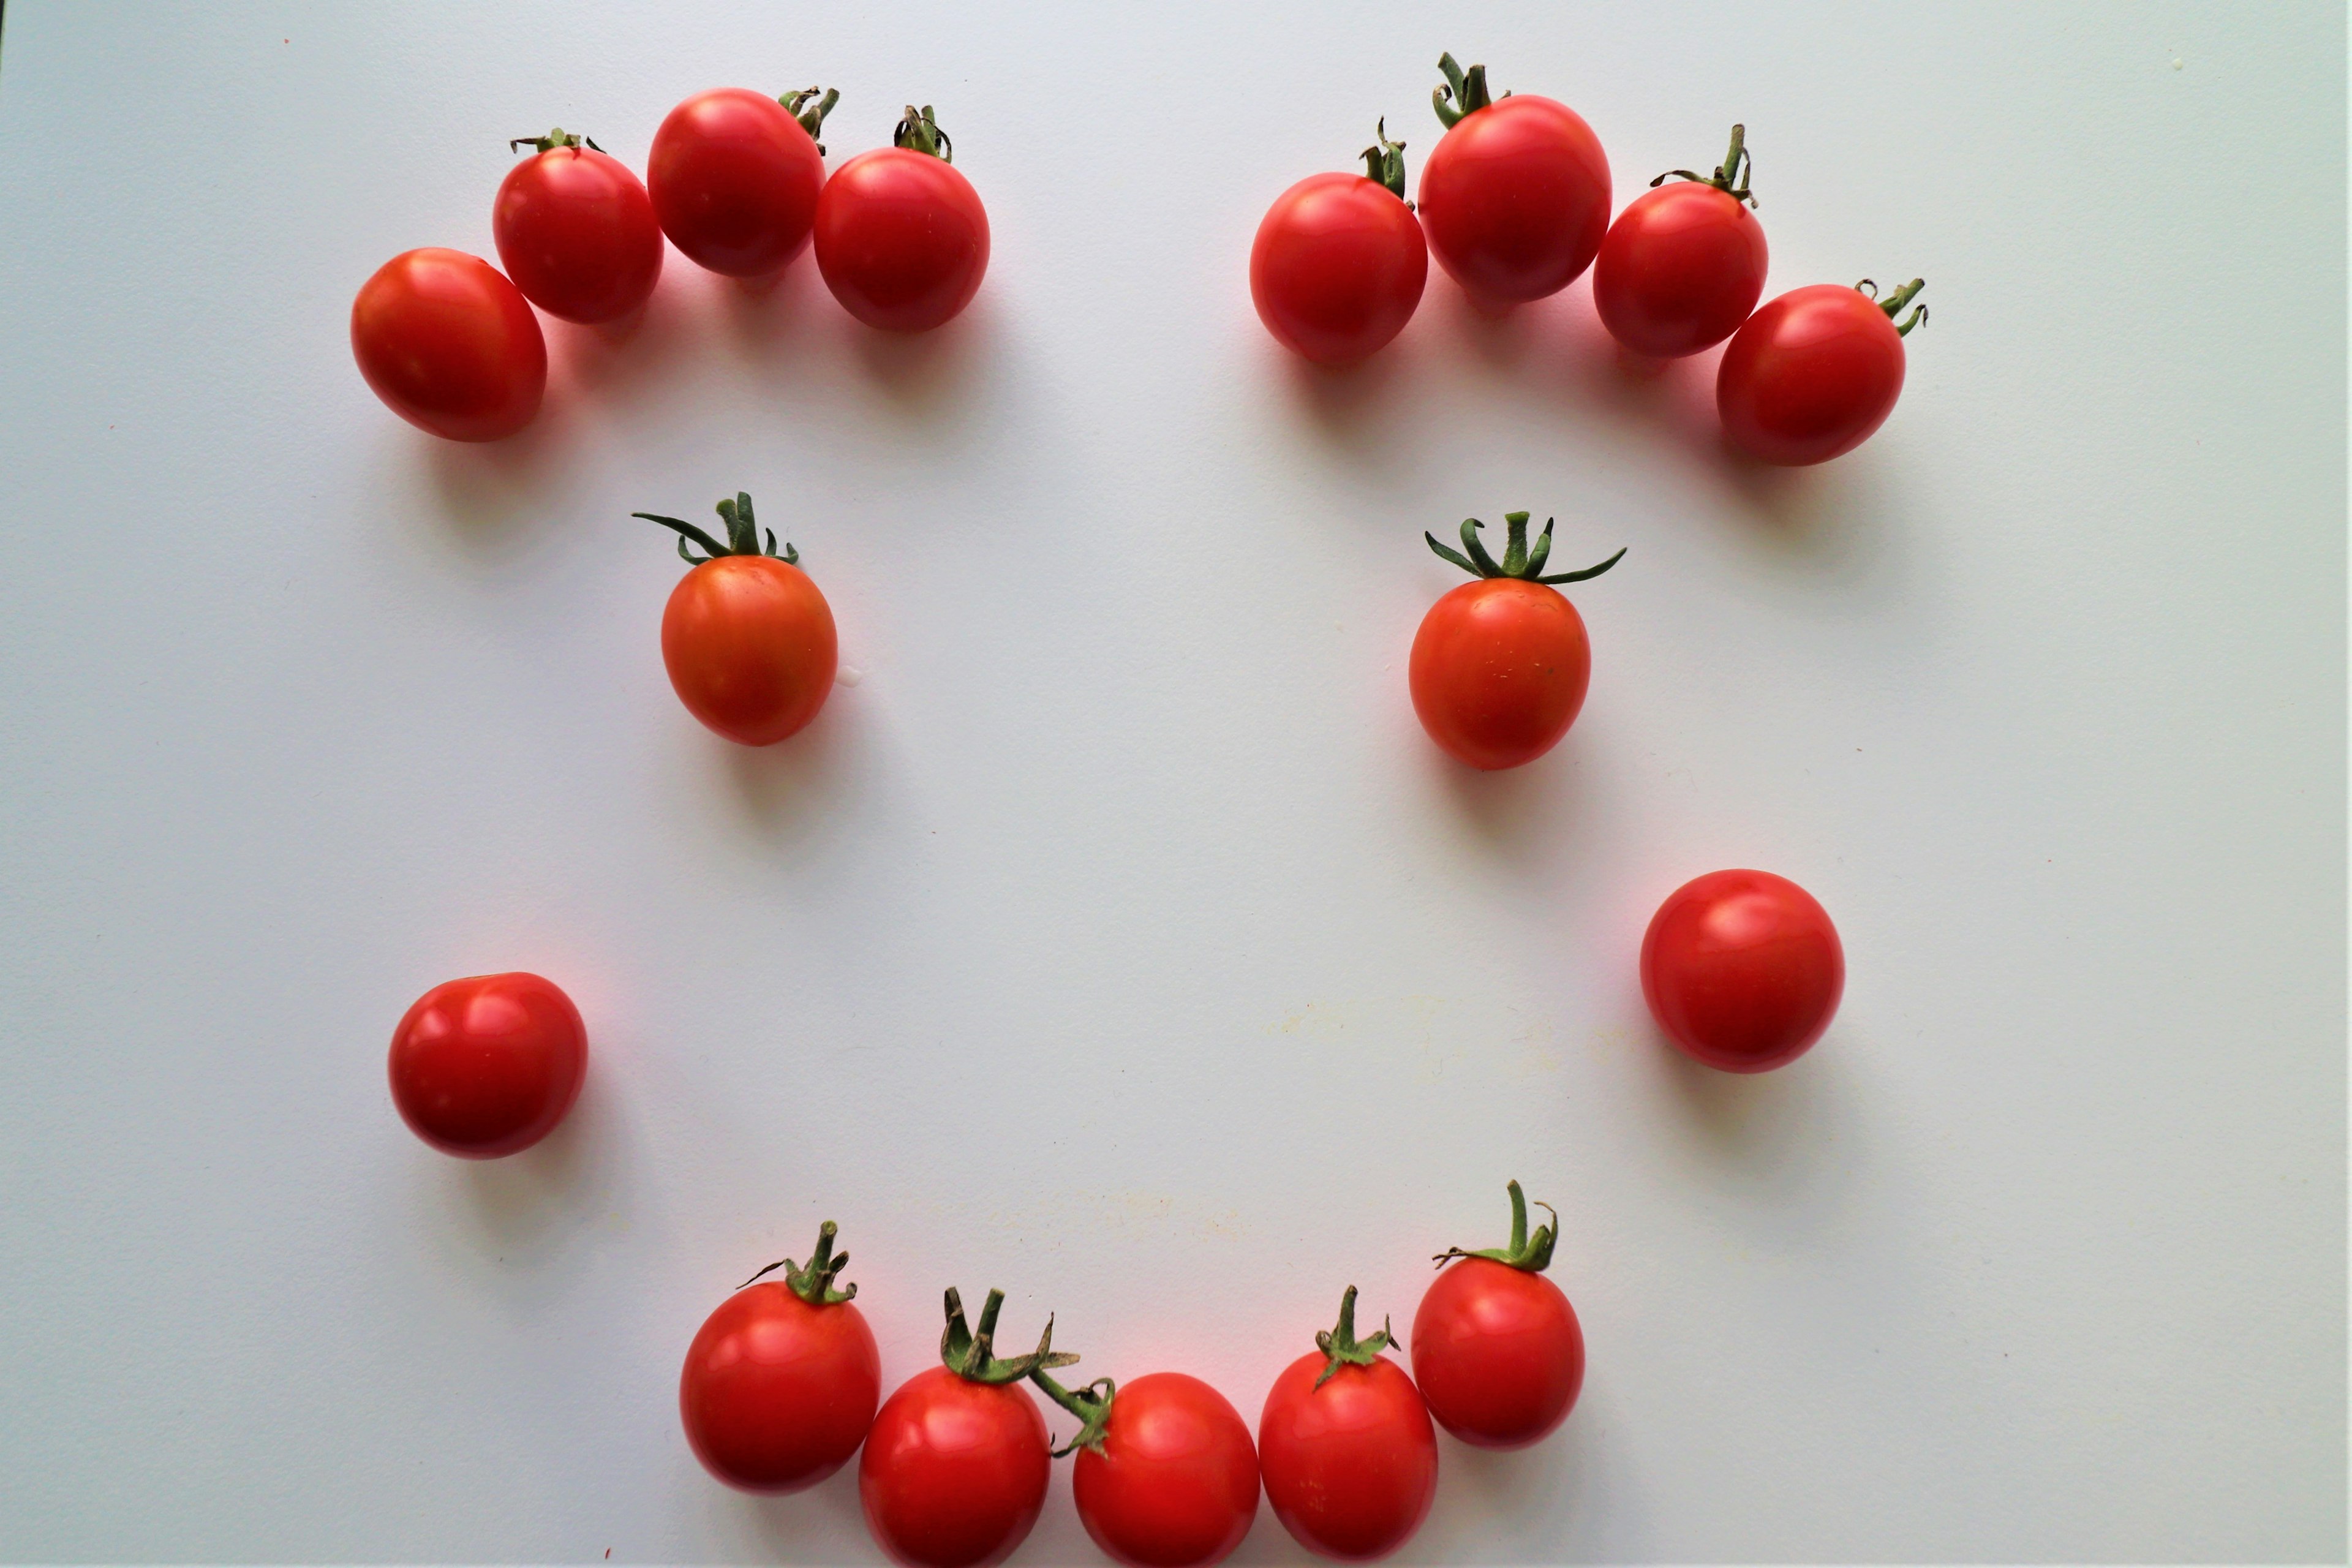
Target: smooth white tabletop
1118, 939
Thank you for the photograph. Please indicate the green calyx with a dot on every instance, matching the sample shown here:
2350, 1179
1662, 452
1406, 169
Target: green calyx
1730, 176
559, 137
1091, 1405
811, 117
1519, 559
1341, 1346
1893, 304
813, 1282
742, 538
1530, 1253
920, 128
973, 1356
1463, 94
1384, 162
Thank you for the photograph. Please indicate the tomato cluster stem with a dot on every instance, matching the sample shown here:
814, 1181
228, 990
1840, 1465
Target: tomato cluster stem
1893, 304
1463, 94
1529, 1253
920, 128
972, 1354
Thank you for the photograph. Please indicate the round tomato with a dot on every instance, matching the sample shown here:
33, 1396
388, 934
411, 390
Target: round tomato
1500, 666
781, 1382
1516, 195
901, 236
450, 345
576, 231
748, 640
1813, 372
1496, 1346
1166, 1476
1683, 265
955, 1466
1742, 969
1349, 1456
487, 1066
1339, 261
734, 176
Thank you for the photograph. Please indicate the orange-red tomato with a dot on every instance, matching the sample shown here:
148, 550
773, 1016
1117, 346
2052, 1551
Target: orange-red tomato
488, 1065
734, 176
1742, 969
1499, 669
747, 638
450, 345
781, 1382
1683, 265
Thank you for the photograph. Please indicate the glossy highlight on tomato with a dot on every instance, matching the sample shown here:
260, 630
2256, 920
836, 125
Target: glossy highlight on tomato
450, 345
747, 638
1742, 969
1499, 666
1496, 1349
781, 1381
1683, 266
734, 176
487, 1066
1814, 373
576, 231
1166, 1476
955, 1466
1340, 263
1515, 196
1345, 1447
901, 236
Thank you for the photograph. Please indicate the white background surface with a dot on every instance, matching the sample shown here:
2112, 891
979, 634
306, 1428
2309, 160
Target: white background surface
1119, 940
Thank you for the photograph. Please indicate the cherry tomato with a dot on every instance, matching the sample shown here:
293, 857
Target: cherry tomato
450, 345
576, 231
1500, 666
781, 1382
1814, 372
487, 1066
1339, 261
1496, 1348
1683, 265
1742, 969
1516, 195
748, 640
954, 1470
734, 176
901, 236
1166, 1476
1349, 1456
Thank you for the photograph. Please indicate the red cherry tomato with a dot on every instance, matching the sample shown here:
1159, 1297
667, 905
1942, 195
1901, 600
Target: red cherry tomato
901, 236
576, 230
450, 345
1166, 1475
488, 1065
955, 1468
1349, 1456
781, 1382
1500, 666
1813, 372
747, 638
1339, 261
1683, 265
1516, 195
1496, 1348
1742, 969
734, 176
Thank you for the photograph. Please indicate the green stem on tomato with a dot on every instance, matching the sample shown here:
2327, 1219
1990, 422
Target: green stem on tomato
920, 128
1463, 94
1730, 176
811, 119
1342, 1348
1091, 1405
1384, 162
972, 1355
813, 1282
1529, 1253
1519, 560
742, 534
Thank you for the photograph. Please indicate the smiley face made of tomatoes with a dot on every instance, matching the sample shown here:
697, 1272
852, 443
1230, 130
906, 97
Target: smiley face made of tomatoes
747, 638
1500, 666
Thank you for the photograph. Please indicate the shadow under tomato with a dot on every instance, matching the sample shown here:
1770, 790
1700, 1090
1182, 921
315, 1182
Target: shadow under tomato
496, 496
1520, 816
823, 1524
534, 1209
1526, 1506
793, 791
